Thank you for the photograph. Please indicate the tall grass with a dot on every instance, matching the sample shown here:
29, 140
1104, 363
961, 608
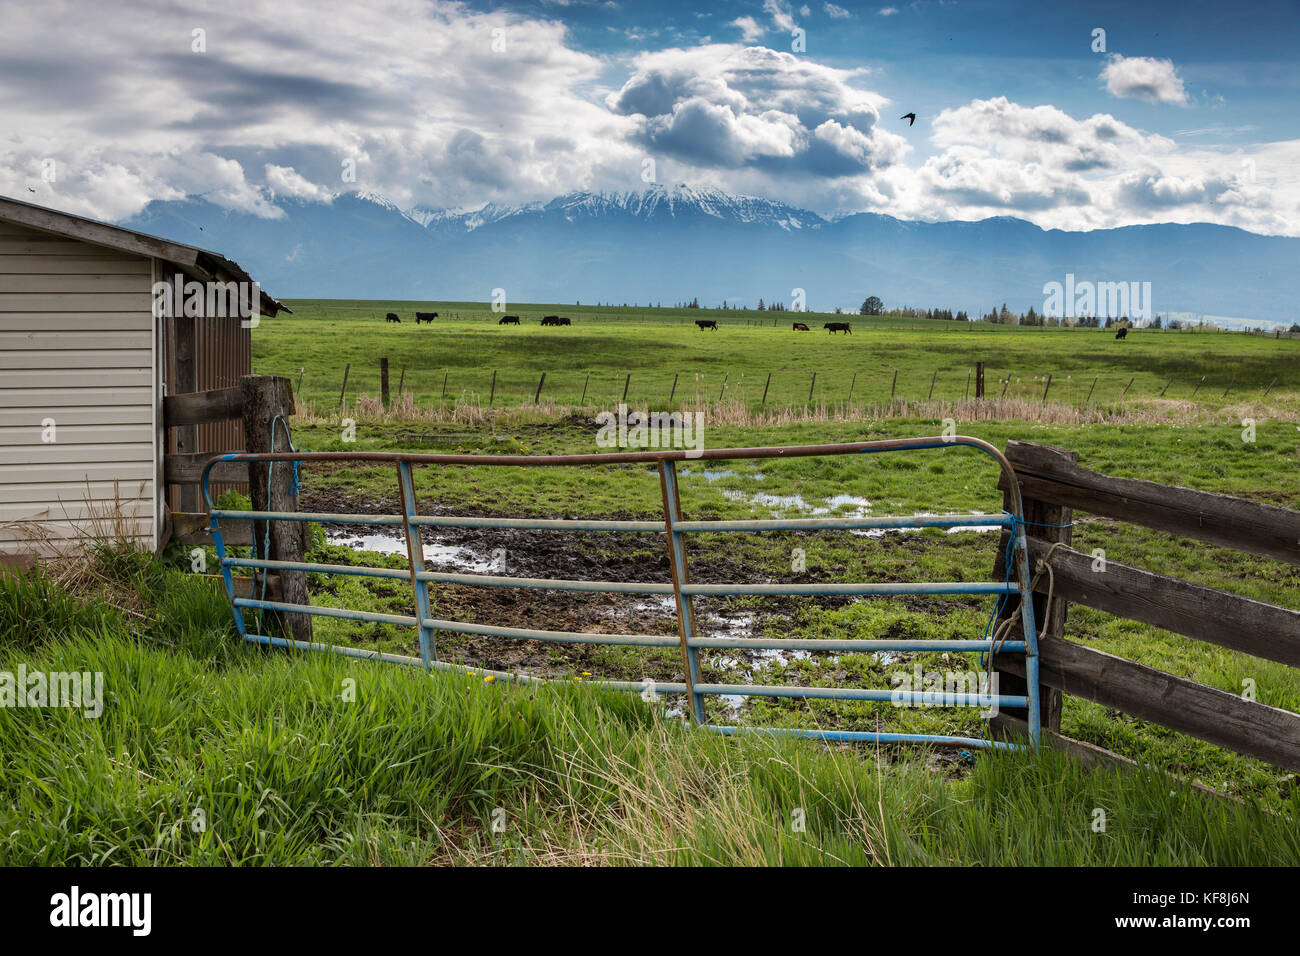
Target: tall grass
212, 753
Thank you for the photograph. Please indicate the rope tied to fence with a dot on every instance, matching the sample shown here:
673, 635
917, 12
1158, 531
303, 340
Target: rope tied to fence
1044, 566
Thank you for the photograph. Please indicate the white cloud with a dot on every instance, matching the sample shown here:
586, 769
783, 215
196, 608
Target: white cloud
837, 13
749, 28
888, 11
1144, 78
287, 181
412, 92
782, 17
733, 107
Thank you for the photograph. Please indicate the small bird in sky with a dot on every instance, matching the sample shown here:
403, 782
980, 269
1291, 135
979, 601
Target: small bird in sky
910, 117
31, 189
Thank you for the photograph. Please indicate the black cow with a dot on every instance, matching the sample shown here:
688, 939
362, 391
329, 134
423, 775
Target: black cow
564, 320
550, 320
1122, 333
392, 317
834, 327
425, 317
509, 320
707, 324
800, 327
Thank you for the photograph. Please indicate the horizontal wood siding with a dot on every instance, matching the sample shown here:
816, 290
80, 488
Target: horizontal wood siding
75, 347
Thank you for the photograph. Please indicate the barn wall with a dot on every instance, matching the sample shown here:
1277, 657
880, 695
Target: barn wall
76, 346
223, 354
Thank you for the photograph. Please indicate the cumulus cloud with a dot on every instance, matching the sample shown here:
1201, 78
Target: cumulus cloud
437, 104
738, 107
1144, 78
287, 181
749, 28
837, 13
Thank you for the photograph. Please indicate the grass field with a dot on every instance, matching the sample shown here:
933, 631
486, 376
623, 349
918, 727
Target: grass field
603, 347
211, 753
310, 758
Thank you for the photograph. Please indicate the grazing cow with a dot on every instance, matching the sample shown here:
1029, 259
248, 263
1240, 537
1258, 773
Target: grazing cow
550, 320
1122, 333
707, 324
392, 317
564, 320
834, 327
800, 327
509, 320
425, 317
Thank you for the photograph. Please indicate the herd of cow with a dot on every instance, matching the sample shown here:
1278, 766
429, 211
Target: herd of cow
831, 327
505, 319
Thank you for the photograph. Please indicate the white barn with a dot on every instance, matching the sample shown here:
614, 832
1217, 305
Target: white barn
84, 366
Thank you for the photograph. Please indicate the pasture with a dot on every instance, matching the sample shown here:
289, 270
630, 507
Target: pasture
1193, 435
454, 360
410, 770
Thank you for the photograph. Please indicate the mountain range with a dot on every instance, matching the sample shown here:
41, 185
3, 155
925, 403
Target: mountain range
673, 244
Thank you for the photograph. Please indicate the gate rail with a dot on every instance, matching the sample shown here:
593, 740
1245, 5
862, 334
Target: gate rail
675, 527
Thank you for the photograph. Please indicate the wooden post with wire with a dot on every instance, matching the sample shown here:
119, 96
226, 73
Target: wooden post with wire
1047, 521
267, 405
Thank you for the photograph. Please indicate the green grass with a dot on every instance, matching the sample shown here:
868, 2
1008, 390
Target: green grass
314, 759
1210, 457
606, 345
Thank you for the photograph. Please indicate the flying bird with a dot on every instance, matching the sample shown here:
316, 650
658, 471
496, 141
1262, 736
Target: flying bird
910, 117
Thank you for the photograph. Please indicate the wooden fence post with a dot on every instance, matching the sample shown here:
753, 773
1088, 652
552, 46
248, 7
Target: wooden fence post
383, 382
585, 383
673, 391
979, 379
1047, 521
186, 381
765, 387
272, 489
540, 382
343, 391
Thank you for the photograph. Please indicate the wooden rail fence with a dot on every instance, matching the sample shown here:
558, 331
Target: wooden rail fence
257, 401
1053, 485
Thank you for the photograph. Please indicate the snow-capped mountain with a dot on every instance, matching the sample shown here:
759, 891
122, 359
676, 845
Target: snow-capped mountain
673, 202
673, 243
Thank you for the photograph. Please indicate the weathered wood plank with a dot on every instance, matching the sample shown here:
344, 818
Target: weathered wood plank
188, 469
1205, 613
195, 408
1090, 755
191, 528
1226, 720
1266, 530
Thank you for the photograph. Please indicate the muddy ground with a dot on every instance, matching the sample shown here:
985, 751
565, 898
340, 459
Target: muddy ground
598, 556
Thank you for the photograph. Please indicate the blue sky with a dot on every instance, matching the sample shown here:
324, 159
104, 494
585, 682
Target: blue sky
1188, 114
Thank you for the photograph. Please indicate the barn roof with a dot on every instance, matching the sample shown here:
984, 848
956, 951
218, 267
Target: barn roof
202, 264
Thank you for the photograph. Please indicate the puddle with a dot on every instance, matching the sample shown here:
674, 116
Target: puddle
848, 506
442, 555
713, 474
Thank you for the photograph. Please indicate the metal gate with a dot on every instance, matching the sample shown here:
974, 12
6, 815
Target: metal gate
675, 527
